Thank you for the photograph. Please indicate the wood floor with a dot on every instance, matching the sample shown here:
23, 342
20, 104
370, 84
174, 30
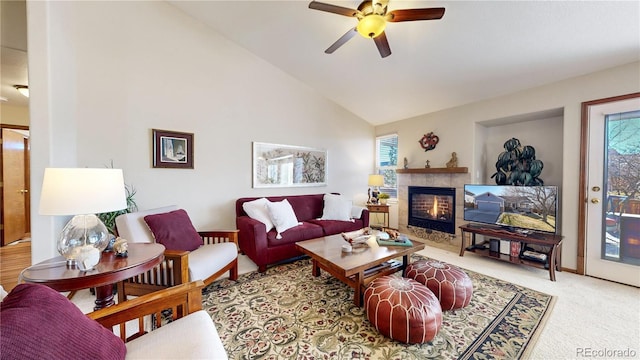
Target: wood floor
13, 259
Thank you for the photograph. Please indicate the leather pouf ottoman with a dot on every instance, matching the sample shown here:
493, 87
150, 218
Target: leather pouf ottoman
449, 283
403, 309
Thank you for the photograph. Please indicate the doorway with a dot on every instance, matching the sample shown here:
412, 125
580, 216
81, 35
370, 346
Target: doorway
609, 233
14, 176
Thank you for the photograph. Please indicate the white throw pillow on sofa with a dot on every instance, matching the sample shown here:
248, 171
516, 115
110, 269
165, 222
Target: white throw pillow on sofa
336, 207
257, 210
282, 216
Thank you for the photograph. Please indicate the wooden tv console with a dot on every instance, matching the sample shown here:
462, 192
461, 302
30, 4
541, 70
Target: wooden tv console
551, 242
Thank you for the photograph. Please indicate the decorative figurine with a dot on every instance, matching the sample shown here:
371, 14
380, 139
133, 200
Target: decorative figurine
120, 247
112, 241
454, 160
427, 165
429, 141
406, 163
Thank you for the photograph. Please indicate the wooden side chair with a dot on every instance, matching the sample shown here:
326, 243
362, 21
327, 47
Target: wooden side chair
190, 255
40, 323
191, 335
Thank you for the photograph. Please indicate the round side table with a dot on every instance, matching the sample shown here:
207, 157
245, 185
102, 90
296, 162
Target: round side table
55, 274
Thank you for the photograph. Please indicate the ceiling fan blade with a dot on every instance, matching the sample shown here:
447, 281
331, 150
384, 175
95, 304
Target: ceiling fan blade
382, 44
415, 14
333, 9
343, 39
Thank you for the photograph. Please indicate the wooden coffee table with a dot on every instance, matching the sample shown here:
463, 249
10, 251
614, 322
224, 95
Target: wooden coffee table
359, 267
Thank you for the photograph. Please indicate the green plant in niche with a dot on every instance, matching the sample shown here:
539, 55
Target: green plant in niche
517, 165
109, 218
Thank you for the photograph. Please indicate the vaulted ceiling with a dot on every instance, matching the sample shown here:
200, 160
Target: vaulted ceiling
478, 50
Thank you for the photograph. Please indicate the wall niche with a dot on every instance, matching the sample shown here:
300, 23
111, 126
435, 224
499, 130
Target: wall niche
543, 130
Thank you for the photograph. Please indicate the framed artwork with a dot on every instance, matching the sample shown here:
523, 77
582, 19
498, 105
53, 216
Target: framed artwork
277, 165
172, 149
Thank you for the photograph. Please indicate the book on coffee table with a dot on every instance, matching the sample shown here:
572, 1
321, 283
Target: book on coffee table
401, 240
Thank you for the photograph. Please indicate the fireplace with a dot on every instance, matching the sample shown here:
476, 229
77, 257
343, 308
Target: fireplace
432, 208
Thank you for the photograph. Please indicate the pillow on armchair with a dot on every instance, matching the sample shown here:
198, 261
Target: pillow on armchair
40, 323
174, 230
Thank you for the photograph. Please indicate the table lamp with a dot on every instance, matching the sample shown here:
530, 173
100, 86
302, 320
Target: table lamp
375, 181
82, 192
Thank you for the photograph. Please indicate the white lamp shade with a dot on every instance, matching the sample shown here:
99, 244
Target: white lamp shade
376, 180
74, 191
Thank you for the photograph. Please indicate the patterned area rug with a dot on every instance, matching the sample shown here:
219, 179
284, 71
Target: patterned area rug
286, 313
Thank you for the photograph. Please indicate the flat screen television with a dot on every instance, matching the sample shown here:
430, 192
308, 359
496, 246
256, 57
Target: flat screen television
518, 208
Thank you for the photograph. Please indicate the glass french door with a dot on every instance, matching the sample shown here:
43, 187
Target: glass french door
613, 203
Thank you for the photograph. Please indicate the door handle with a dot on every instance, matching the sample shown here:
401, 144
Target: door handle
23, 191
595, 201
596, 188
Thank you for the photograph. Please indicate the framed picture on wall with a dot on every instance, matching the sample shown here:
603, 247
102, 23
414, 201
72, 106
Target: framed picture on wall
277, 165
172, 149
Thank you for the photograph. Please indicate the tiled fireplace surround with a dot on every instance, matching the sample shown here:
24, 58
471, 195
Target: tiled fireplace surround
454, 180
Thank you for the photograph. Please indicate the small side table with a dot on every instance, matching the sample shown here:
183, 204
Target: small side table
381, 209
55, 274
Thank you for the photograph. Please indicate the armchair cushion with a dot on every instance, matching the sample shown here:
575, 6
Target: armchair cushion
132, 227
174, 230
198, 335
209, 259
40, 323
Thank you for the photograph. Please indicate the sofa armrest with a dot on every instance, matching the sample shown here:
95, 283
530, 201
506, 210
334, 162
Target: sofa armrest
182, 299
365, 217
252, 238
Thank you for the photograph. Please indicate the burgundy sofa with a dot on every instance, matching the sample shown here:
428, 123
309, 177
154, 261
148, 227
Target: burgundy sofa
264, 249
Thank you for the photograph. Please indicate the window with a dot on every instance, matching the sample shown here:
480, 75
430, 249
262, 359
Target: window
387, 163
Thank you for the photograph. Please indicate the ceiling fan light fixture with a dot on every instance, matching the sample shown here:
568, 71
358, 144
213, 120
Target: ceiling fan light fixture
22, 89
371, 25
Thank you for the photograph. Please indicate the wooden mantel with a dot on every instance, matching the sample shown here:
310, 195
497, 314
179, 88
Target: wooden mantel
452, 170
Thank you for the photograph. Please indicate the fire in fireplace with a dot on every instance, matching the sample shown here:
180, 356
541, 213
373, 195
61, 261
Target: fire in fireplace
433, 208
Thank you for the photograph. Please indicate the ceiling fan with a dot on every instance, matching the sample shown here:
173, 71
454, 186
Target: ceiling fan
372, 18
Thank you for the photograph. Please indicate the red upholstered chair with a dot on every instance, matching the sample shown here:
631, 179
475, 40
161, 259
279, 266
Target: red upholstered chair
190, 255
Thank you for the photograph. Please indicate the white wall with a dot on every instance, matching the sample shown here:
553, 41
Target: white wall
544, 134
458, 128
14, 115
103, 74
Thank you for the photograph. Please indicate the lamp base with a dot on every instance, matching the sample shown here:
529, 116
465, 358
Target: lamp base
86, 257
373, 197
82, 240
